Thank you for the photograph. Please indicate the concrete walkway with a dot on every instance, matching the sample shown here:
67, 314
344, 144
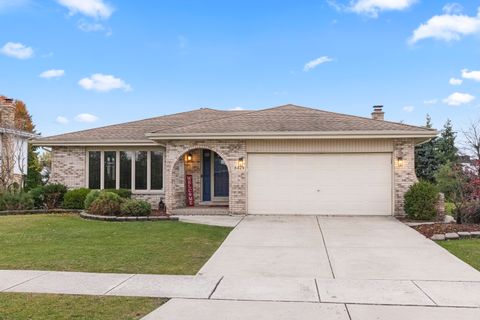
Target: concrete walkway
296, 268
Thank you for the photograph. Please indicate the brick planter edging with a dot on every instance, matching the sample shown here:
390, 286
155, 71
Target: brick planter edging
455, 235
37, 211
88, 216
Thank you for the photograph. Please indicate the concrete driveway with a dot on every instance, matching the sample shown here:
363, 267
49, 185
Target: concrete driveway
306, 267
333, 248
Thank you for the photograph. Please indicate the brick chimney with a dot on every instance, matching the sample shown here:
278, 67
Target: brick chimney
378, 113
7, 112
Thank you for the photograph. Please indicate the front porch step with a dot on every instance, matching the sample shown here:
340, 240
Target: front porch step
200, 210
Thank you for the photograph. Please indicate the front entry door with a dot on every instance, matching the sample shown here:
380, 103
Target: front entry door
220, 174
215, 177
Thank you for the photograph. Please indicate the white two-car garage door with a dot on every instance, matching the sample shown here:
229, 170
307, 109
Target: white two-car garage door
323, 184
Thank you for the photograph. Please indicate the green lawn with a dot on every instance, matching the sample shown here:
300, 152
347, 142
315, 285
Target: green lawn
49, 306
69, 243
468, 250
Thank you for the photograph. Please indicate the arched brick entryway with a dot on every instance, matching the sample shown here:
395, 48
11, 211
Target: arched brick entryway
229, 151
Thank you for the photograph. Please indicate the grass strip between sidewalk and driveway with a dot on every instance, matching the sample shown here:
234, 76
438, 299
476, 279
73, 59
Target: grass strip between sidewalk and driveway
69, 243
467, 250
15, 306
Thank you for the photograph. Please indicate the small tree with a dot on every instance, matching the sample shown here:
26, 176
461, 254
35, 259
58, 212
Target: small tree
461, 185
472, 140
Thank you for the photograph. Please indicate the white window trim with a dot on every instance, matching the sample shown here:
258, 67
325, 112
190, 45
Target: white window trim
117, 168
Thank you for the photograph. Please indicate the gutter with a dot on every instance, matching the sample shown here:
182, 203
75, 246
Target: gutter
297, 135
19, 133
80, 143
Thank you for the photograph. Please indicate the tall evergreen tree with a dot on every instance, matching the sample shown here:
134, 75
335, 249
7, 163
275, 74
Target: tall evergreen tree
447, 152
427, 161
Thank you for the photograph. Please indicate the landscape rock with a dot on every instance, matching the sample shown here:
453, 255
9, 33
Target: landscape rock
451, 236
475, 234
463, 234
449, 219
438, 237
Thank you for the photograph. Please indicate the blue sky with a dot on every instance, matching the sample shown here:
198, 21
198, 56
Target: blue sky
85, 63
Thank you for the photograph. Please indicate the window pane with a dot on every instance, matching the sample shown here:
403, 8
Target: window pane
141, 170
110, 170
156, 170
94, 170
125, 170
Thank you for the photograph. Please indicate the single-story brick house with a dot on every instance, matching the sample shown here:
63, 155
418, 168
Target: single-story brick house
283, 160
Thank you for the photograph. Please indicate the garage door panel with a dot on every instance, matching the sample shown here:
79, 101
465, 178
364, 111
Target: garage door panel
353, 184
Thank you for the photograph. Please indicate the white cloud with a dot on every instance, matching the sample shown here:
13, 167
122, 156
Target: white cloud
458, 98
92, 8
236, 109
86, 117
17, 50
53, 73
373, 7
315, 63
431, 101
471, 75
408, 108
103, 83
62, 120
455, 81
447, 27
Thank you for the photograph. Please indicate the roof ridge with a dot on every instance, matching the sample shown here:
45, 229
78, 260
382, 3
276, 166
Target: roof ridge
361, 117
204, 121
231, 116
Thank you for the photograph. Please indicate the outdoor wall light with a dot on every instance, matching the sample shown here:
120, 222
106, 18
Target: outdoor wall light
241, 163
189, 157
400, 162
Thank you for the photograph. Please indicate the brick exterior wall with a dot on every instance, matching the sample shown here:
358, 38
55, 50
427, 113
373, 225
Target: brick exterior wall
404, 176
68, 166
229, 150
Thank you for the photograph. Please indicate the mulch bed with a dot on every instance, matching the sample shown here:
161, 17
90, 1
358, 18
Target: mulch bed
429, 230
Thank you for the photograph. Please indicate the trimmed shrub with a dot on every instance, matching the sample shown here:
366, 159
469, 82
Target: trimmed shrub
37, 195
420, 201
91, 196
16, 201
106, 204
53, 195
75, 199
123, 193
134, 207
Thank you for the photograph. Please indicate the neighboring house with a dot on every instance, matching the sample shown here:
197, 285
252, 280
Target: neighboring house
13, 146
282, 160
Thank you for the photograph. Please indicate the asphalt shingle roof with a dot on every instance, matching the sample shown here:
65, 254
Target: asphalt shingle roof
287, 118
